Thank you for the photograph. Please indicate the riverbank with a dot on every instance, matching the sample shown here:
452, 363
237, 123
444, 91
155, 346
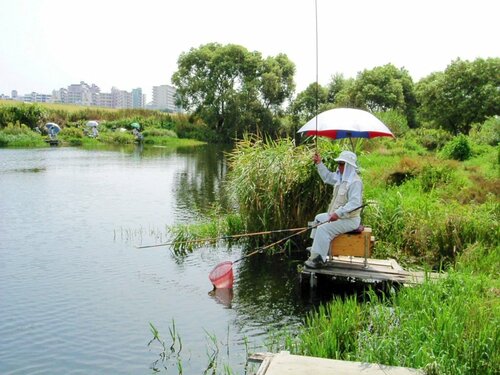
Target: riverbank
22, 123
430, 210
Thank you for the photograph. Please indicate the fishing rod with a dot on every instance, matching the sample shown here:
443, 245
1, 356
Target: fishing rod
213, 239
302, 230
317, 77
261, 249
221, 275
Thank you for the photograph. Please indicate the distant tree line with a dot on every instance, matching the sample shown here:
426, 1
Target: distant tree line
233, 91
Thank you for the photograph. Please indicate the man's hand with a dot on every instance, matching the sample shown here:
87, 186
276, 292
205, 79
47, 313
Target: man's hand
316, 158
334, 217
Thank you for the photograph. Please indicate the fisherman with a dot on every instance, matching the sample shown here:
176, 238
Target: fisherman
138, 136
347, 195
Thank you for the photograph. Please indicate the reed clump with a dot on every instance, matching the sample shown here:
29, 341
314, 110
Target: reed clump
274, 183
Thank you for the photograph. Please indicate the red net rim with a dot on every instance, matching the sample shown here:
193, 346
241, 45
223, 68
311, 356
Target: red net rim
220, 271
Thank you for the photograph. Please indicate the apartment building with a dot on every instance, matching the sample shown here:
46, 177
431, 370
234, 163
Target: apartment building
138, 98
164, 98
82, 94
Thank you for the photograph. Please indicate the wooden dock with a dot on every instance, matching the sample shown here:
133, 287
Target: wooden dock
284, 363
52, 142
364, 270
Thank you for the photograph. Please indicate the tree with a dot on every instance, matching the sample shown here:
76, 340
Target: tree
466, 93
308, 102
277, 84
385, 88
233, 89
336, 85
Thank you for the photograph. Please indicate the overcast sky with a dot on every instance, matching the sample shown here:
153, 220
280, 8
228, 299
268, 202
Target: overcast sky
49, 44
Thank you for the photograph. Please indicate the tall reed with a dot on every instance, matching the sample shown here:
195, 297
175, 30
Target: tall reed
275, 184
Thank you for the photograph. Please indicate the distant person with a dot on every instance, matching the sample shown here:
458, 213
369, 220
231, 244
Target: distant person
137, 134
95, 132
347, 196
52, 133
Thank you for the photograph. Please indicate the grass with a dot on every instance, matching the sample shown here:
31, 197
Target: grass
445, 327
56, 106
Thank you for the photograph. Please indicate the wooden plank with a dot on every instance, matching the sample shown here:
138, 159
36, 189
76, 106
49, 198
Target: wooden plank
284, 363
360, 275
371, 270
396, 265
388, 267
361, 260
361, 267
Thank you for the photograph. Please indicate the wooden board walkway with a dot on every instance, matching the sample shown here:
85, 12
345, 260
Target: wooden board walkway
366, 270
284, 363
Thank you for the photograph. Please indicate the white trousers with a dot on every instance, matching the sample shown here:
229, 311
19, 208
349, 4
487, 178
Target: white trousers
323, 234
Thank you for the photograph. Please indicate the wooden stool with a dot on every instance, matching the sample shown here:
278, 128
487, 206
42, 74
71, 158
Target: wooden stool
356, 245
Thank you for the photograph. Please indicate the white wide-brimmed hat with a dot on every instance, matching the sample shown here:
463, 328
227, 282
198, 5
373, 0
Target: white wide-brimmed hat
348, 157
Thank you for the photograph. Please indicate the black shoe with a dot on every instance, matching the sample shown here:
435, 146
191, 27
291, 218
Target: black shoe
315, 261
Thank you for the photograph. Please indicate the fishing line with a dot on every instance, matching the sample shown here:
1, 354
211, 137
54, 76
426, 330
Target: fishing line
317, 76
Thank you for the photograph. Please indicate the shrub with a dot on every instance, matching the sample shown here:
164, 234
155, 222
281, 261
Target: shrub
199, 131
433, 175
31, 115
16, 129
19, 135
116, 137
407, 169
457, 149
487, 133
71, 132
159, 133
431, 139
395, 121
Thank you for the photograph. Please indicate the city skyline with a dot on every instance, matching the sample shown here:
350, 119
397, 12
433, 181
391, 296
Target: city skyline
50, 92
47, 44
163, 97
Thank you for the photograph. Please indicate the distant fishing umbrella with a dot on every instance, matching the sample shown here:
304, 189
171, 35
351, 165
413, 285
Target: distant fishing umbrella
92, 124
52, 128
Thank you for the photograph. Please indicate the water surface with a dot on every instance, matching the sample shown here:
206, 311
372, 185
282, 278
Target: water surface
78, 297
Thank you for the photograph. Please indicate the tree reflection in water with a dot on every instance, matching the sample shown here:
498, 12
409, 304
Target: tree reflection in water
199, 185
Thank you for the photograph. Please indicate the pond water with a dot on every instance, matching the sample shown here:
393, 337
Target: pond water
78, 297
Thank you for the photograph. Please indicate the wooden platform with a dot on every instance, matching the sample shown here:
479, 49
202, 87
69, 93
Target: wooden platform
365, 270
52, 142
284, 363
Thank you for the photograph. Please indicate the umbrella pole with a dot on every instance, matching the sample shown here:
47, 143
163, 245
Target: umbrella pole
352, 144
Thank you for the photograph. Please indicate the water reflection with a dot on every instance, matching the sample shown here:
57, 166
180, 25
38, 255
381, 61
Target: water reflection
223, 296
199, 185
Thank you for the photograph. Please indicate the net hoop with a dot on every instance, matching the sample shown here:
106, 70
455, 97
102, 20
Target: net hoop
222, 275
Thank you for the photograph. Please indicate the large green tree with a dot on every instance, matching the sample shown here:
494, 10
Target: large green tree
384, 88
464, 94
308, 103
232, 89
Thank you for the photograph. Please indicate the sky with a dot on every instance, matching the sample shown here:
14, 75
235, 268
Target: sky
50, 44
